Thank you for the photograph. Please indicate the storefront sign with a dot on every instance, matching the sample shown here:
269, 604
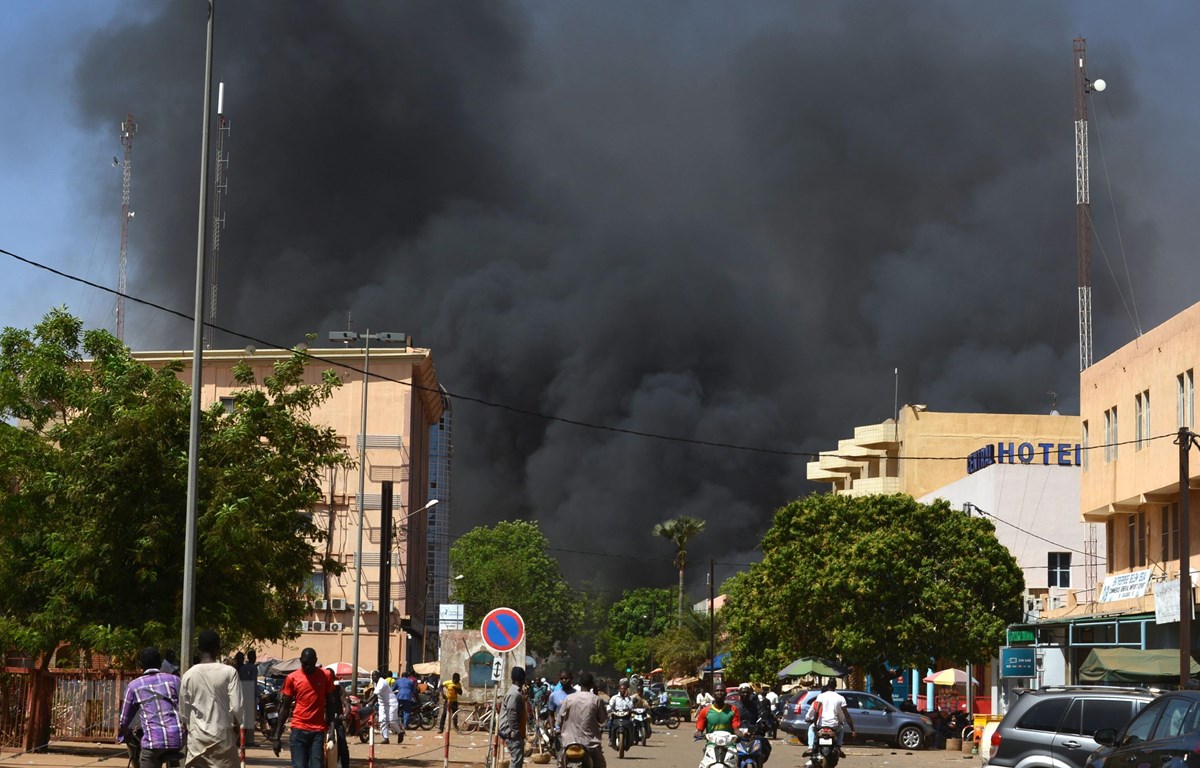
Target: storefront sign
1123, 586
1020, 636
1018, 662
1049, 454
1166, 601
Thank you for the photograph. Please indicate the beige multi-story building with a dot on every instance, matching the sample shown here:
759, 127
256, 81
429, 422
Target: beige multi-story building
1132, 404
927, 450
396, 449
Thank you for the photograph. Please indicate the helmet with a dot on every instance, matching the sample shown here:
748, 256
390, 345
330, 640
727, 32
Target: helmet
744, 687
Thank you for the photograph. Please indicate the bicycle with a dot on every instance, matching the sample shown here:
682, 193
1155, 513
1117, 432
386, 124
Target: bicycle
478, 718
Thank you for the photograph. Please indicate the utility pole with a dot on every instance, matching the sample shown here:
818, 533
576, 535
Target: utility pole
712, 634
1083, 199
128, 129
1186, 602
385, 577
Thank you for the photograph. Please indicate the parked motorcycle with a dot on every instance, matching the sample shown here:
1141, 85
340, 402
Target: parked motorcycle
825, 750
266, 708
720, 750
753, 749
641, 726
665, 716
358, 718
622, 737
425, 718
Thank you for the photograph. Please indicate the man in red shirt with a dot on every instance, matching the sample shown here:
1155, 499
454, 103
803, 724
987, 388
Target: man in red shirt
308, 697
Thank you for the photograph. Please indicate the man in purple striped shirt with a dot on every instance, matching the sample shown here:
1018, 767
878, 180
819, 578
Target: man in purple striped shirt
154, 697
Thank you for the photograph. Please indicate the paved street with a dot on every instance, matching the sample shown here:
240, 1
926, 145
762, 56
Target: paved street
667, 749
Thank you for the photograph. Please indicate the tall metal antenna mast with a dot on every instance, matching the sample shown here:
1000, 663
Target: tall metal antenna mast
128, 129
220, 187
1083, 203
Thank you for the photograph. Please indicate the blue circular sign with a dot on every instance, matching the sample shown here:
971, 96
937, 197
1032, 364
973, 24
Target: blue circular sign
503, 629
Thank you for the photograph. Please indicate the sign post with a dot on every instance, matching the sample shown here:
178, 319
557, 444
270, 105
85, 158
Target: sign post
503, 631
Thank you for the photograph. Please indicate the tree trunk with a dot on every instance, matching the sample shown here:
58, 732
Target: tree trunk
681, 597
40, 702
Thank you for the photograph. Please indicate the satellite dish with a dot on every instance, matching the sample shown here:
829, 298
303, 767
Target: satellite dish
1099, 85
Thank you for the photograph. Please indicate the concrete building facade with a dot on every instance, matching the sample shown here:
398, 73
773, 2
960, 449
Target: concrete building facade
404, 403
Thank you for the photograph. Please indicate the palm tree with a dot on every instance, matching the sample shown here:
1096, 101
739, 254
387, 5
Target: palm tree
679, 531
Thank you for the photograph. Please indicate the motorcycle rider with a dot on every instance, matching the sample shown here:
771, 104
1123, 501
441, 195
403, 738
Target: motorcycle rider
580, 718
717, 716
831, 712
622, 701
749, 702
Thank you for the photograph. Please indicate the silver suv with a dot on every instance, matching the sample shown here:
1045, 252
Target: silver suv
1052, 727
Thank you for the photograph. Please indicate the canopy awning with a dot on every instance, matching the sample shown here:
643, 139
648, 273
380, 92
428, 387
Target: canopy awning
810, 666
1131, 665
717, 663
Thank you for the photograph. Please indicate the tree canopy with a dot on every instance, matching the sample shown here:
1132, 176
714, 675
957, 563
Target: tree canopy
507, 565
679, 532
93, 471
633, 622
874, 578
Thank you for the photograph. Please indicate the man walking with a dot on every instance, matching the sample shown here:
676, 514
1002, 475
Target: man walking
406, 697
210, 705
581, 719
451, 690
154, 698
385, 705
512, 719
308, 697
247, 670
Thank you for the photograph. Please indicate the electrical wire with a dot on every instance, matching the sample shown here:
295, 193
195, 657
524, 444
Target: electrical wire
1031, 533
499, 405
1137, 323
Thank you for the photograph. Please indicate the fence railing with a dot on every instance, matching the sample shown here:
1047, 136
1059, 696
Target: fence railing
86, 705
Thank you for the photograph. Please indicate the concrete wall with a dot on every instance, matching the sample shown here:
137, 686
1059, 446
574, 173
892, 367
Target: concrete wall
458, 647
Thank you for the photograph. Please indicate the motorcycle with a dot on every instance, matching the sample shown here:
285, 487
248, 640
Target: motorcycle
825, 750
266, 709
623, 734
575, 756
641, 726
752, 748
664, 715
719, 750
425, 718
550, 740
358, 719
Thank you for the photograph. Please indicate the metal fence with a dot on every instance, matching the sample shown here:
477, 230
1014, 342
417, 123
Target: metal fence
86, 706
14, 693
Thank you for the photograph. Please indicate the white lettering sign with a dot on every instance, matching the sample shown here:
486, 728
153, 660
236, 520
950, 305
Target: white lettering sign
1123, 586
1166, 600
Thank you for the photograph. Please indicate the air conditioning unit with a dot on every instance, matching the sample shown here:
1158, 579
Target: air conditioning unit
1058, 598
366, 606
335, 626
338, 604
304, 626
320, 605
317, 626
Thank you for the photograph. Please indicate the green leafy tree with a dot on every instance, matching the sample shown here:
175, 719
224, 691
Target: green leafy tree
93, 470
683, 649
679, 532
507, 565
631, 625
870, 578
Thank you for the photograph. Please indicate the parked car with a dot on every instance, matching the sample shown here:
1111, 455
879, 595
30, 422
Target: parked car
680, 703
1054, 727
1165, 732
874, 720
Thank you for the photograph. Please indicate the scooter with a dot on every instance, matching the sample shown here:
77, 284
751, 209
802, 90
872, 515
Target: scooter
267, 709
825, 750
358, 719
753, 749
720, 750
641, 726
623, 731
575, 756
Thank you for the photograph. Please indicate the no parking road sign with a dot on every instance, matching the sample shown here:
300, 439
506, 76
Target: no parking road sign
503, 629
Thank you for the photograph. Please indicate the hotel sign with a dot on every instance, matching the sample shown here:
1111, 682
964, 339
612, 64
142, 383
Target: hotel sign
1048, 454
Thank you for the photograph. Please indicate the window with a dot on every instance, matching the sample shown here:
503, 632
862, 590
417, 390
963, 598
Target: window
1110, 434
1169, 524
228, 404
1084, 441
316, 582
1086, 716
1172, 723
1045, 715
1141, 419
1058, 569
1139, 729
1136, 530
1185, 398
1110, 550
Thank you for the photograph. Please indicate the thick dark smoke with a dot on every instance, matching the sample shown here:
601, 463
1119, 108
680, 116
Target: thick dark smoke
718, 221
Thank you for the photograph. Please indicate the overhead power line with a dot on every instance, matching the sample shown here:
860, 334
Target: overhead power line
265, 343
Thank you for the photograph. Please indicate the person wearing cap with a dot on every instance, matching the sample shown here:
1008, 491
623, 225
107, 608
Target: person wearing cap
717, 716
512, 719
210, 705
307, 696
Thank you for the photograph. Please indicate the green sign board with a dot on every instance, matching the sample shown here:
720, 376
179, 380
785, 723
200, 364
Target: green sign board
1021, 636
